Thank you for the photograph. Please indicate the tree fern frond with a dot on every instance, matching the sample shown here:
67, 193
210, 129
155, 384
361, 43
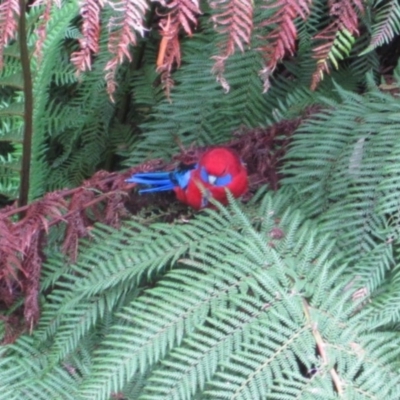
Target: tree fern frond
233, 19
182, 15
59, 22
386, 25
9, 173
343, 187
122, 27
9, 12
389, 202
293, 294
281, 40
202, 327
337, 46
89, 40
385, 302
221, 305
195, 118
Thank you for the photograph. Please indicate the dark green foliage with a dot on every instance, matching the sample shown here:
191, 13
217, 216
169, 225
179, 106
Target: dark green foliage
294, 295
77, 130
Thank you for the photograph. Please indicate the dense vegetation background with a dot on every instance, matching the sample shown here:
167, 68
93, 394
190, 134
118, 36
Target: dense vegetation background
292, 293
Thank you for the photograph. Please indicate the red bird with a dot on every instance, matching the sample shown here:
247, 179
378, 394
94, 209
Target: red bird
219, 168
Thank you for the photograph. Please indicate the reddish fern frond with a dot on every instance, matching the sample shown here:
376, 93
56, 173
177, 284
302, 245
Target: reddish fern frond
282, 39
32, 266
185, 12
41, 28
182, 14
169, 53
41, 2
77, 222
336, 39
10, 257
38, 217
122, 35
321, 53
21, 242
12, 327
21, 261
234, 20
346, 13
9, 12
89, 43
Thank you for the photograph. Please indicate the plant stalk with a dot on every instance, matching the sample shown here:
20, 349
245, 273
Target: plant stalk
28, 108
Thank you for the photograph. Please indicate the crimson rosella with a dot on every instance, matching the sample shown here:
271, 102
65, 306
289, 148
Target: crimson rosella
218, 168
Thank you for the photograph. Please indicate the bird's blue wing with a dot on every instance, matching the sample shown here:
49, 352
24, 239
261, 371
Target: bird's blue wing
161, 181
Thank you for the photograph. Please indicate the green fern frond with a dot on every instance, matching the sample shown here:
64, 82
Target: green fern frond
217, 306
340, 177
58, 24
386, 23
341, 47
11, 124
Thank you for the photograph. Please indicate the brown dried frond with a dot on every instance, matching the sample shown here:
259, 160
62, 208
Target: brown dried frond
32, 265
38, 217
13, 328
327, 36
21, 242
11, 251
9, 12
114, 205
122, 35
262, 150
182, 14
185, 12
77, 222
282, 39
233, 20
89, 43
346, 12
41, 29
169, 54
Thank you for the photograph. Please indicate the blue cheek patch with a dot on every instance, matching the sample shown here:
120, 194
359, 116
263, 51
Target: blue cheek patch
204, 175
220, 181
223, 180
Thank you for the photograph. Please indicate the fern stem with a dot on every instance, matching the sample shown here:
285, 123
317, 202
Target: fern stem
321, 350
28, 108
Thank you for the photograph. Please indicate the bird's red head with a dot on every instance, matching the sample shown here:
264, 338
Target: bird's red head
219, 161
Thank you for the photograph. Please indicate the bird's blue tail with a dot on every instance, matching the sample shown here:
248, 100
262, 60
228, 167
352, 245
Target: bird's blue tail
160, 181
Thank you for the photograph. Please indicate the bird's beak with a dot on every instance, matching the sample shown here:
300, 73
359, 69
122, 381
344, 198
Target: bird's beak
212, 179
